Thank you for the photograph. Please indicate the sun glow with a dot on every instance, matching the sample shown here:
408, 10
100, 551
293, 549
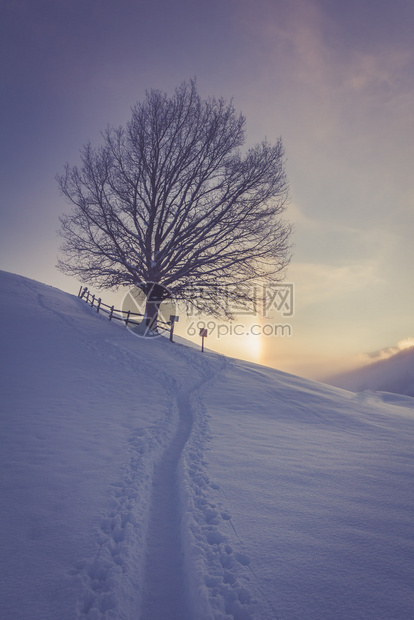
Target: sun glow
253, 345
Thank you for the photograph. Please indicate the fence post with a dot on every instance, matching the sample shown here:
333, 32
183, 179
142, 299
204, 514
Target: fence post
93, 300
99, 305
203, 334
111, 313
80, 292
127, 319
173, 320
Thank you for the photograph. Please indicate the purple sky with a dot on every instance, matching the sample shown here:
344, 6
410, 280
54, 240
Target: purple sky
334, 79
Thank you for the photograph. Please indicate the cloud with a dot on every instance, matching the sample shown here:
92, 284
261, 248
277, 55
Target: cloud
387, 352
319, 283
328, 240
378, 74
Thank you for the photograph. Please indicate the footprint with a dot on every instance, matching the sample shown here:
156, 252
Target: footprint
242, 558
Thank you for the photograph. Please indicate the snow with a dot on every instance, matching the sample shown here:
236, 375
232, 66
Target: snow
143, 479
324, 501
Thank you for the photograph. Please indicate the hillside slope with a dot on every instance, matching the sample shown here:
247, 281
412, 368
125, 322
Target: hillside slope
143, 479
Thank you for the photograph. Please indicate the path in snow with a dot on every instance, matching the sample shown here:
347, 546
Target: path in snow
164, 586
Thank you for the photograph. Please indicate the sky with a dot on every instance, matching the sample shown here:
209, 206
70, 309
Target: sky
334, 79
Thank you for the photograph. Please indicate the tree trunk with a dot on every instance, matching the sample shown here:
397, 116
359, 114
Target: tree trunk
151, 312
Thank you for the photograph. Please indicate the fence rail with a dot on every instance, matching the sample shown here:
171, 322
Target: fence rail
121, 315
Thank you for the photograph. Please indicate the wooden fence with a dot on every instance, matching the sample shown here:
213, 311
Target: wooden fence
121, 315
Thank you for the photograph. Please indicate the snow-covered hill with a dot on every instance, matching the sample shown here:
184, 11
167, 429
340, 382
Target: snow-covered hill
394, 374
143, 479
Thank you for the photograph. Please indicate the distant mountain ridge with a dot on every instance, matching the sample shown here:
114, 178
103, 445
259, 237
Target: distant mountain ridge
394, 374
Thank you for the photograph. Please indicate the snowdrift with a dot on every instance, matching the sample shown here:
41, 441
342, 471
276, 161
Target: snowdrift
143, 479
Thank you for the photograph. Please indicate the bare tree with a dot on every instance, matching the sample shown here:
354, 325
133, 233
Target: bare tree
170, 202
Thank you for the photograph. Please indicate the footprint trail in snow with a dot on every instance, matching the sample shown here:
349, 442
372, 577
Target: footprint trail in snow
164, 585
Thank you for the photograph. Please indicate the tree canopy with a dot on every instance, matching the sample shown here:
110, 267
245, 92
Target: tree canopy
172, 200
